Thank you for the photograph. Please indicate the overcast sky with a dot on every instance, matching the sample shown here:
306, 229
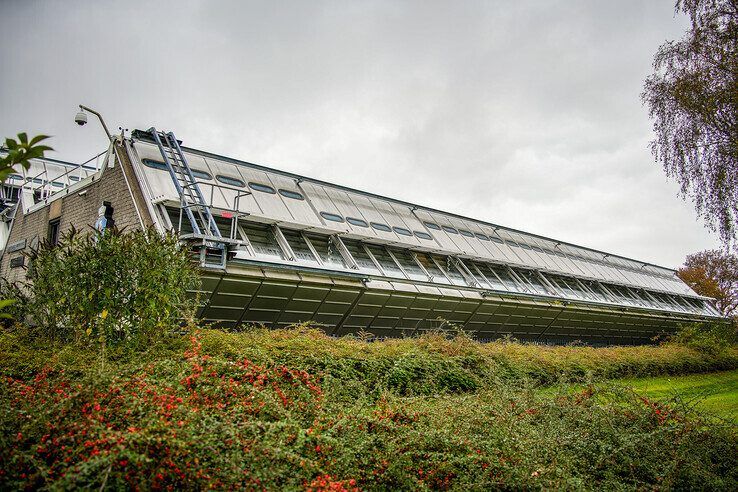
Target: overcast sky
525, 114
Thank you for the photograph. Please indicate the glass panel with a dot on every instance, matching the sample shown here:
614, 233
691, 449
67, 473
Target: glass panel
299, 246
262, 187
432, 225
328, 253
451, 271
402, 231
491, 277
505, 277
482, 237
331, 217
408, 263
291, 194
381, 227
263, 241
423, 235
360, 257
532, 280
154, 164
466, 233
450, 229
385, 260
201, 174
357, 222
230, 181
595, 291
432, 268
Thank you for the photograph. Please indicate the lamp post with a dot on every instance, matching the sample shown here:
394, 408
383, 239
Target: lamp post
81, 119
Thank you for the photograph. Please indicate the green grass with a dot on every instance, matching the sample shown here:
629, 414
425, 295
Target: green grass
715, 393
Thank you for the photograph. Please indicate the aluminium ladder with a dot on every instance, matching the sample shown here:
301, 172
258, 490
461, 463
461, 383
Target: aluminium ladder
191, 198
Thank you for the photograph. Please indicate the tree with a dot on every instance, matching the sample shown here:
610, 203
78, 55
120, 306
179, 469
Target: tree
713, 273
692, 98
20, 153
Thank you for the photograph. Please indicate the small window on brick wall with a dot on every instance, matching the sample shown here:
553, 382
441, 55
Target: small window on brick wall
53, 235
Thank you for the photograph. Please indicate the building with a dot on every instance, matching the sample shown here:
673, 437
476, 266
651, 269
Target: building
277, 248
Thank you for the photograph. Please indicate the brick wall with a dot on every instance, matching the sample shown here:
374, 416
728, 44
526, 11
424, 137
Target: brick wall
79, 209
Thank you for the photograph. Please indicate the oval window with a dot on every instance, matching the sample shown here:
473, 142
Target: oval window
402, 231
432, 225
155, 164
291, 194
261, 187
381, 227
356, 222
230, 181
423, 235
201, 174
466, 233
496, 240
331, 217
450, 229
482, 237
524, 246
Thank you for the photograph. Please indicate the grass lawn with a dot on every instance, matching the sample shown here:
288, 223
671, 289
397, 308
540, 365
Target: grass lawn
715, 392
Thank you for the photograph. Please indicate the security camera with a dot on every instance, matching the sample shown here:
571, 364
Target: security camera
81, 118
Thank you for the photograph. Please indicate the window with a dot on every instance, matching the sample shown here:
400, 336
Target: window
73, 178
201, 174
155, 164
381, 227
262, 187
54, 232
407, 261
291, 194
361, 257
450, 229
356, 222
299, 246
451, 271
329, 255
496, 240
386, 261
402, 231
230, 181
262, 240
331, 217
432, 268
466, 233
481, 237
423, 235
432, 225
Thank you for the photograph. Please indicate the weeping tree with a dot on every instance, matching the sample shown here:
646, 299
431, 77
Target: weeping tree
692, 99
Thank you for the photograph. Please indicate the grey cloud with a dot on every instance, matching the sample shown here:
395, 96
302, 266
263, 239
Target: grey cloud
522, 113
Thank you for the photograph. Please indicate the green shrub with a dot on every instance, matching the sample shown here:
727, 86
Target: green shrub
17, 308
193, 420
710, 338
116, 288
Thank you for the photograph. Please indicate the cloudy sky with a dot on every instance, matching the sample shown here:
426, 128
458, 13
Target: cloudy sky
525, 114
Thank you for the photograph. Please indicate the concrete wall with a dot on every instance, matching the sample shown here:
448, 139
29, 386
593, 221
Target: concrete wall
79, 209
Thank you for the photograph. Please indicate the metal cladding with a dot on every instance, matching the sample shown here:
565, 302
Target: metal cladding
350, 261
294, 249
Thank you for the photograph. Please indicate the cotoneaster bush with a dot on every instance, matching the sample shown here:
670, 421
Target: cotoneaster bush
190, 419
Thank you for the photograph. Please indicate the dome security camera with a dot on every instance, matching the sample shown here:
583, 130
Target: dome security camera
81, 118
